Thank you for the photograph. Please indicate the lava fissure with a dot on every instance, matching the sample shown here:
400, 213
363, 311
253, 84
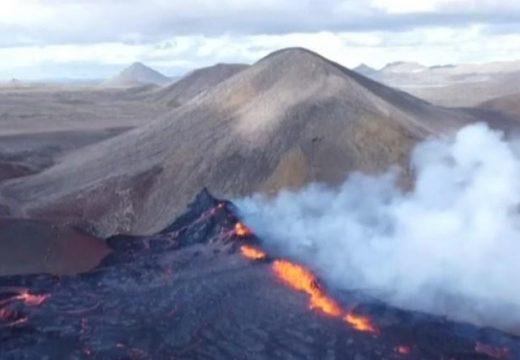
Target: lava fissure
302, 279
403, 350
125, 309
22, 295
241, 230
252, 253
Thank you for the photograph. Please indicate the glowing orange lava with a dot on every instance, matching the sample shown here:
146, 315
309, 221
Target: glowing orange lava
242, 230
361, 323
32, 300
252, 252
302, 279
299, 278
403, 350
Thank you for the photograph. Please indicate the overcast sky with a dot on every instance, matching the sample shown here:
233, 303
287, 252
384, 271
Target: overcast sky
95, 38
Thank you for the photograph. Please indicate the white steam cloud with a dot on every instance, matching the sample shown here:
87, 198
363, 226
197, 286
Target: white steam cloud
450, 246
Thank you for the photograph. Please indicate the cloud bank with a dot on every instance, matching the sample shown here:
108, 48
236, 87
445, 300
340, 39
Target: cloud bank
450, 246
37, 37
87, 21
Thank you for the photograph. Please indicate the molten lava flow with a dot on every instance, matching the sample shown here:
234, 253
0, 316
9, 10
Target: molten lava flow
295, 275
24, 296
12, 318
241, 230
252, 252
30, 299
324, 303
361, 323
5, 315
9, 319
302, 279
496, 353
299, 278
403, 350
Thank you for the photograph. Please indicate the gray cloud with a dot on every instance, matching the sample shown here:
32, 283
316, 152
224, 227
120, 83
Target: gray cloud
140, 21
44, 36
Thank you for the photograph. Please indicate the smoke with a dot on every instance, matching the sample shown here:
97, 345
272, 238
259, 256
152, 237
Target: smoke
449, 246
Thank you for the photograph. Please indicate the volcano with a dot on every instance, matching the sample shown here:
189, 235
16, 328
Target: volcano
137, 74
191, 291
291, 119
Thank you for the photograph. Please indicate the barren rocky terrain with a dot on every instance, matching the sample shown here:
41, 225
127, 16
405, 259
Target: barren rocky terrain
190, 292
40, 124
29, 246
290, 119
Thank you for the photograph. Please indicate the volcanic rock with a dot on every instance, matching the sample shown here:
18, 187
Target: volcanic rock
29, 246
187, 293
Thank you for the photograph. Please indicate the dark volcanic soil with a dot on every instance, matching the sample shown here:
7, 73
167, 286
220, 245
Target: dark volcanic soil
29, 246
187, 293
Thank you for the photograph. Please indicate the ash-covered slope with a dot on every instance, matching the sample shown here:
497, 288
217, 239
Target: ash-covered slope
137, 74
508, 105
196, 83
290, 119
189, 292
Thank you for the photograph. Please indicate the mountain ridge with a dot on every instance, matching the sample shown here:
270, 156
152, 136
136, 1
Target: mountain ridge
196, 82
291, 118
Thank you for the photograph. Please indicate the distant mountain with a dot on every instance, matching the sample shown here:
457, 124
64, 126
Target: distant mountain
137, 74
404, 67
497, 67
452, 70
468, 91
16, 83
463, 85
290, 119
365, 70
196, 83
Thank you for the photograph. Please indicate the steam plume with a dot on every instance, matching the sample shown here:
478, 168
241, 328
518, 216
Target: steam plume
450, 246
